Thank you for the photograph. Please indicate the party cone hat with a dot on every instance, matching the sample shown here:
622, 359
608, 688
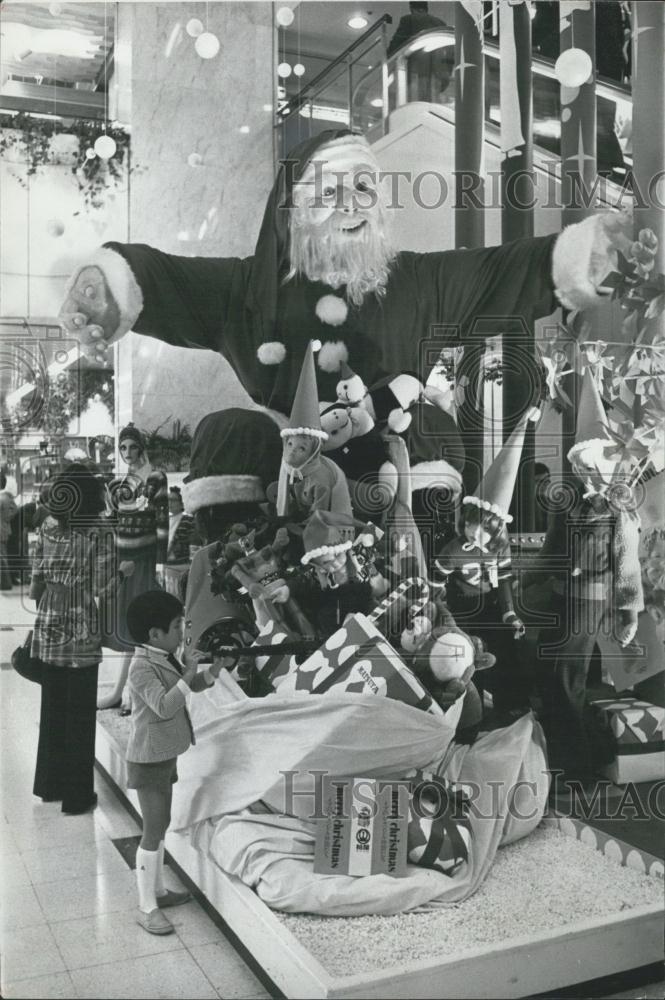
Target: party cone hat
305, 417
591, 416
496, 488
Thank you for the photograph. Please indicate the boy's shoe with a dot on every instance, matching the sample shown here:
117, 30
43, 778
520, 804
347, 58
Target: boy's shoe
154, 922
171, 898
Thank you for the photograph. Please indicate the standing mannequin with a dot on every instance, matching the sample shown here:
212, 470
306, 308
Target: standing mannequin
136, 537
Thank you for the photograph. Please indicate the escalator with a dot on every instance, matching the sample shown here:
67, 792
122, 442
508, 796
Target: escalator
405, 106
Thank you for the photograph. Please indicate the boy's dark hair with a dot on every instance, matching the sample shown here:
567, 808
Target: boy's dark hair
153, 609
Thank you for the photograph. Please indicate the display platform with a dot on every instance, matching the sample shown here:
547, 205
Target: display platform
576, 951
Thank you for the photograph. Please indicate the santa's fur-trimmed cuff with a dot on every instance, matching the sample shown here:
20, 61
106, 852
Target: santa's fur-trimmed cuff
211, 490
122, 284
582, 255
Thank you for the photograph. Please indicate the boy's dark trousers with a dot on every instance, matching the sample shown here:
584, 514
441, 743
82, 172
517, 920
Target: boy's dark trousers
576, 742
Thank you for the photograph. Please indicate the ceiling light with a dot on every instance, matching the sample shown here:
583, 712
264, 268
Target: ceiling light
299, 69
284, 70
377, 102
357, 22
244, 129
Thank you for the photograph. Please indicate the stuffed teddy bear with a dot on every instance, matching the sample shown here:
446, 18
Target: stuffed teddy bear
445, 659
357, 447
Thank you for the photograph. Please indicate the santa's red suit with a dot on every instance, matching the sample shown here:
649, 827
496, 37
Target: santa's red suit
245, 307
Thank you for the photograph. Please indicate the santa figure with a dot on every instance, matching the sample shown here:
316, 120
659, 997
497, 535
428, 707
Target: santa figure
326, 268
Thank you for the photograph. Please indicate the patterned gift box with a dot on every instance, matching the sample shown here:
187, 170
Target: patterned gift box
638, 728
439, 834
275, 668
357, 658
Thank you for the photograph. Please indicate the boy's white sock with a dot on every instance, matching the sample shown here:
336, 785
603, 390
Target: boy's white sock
146, 874
160, 888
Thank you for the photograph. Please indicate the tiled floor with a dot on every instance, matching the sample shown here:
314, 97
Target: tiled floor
67, 905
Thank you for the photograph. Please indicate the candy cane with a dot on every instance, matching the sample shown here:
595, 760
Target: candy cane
417, 583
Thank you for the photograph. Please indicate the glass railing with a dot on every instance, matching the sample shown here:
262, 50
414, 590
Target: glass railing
363, 87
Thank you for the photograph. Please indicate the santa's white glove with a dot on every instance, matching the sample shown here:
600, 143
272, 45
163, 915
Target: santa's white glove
90, 313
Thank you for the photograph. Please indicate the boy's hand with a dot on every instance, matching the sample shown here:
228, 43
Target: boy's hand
126, 567
191, 660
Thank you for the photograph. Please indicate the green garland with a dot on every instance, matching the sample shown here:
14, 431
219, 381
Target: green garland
24, 132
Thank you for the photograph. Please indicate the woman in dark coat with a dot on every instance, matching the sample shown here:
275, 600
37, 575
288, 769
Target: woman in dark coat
74, 563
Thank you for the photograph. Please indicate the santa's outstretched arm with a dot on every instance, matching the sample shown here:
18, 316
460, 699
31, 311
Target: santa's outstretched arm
185, 301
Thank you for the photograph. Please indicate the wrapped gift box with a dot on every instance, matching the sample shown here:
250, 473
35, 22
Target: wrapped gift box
357, 658
439, 834
364, 831
637, 727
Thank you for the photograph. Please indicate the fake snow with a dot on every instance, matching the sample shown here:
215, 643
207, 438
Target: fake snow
537, 885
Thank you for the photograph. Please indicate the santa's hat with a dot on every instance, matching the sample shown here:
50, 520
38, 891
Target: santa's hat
235, 456
327, 533
305, 417
271, 260
591, 433
496, 488
436, 451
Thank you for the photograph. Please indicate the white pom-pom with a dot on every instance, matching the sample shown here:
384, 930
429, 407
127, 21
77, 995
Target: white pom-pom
272, 352
399, 421
332, 310
331, 355
316, 346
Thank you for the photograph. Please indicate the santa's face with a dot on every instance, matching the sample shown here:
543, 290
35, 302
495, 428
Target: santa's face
298, 449
338, 223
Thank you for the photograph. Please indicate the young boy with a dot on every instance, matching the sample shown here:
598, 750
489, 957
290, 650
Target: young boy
160, 730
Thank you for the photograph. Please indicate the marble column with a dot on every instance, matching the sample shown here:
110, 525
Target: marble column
202, 167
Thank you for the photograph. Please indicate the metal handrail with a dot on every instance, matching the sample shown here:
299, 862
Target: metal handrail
310, 90
542, 65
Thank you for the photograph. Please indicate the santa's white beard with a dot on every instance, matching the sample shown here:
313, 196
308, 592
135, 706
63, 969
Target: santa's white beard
359, 261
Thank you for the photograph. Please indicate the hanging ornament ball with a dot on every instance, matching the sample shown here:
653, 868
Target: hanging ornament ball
105, 147
207, 45
284, 16
55, 227
55, 9
573, 67
90, 154
195, 159
194, 28
299, 69
284, 70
